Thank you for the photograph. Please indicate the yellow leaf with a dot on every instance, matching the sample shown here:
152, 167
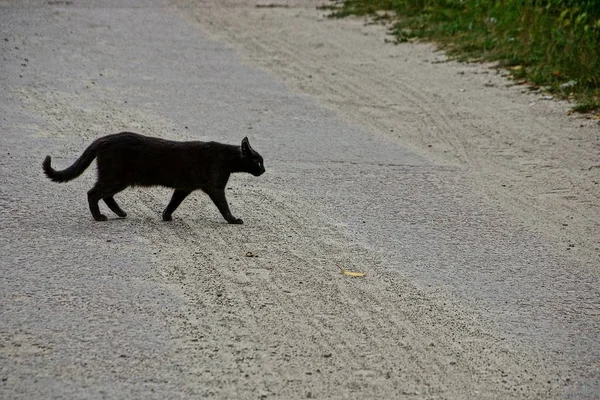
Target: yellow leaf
351, 273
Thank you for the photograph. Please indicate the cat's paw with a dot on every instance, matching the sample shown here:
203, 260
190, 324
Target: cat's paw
167, 217
236, 221
100, 217
122, 214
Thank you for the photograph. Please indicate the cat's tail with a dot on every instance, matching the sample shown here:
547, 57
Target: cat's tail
74, 170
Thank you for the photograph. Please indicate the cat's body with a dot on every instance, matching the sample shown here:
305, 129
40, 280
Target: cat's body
129, 159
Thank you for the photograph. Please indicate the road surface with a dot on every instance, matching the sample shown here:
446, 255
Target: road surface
472, 208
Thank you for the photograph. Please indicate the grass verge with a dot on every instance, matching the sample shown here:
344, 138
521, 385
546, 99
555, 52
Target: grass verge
552, 44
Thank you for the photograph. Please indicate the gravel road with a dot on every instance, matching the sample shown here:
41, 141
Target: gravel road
471, 206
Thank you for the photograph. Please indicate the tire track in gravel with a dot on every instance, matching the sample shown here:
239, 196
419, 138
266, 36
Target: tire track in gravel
185, 233
225, 281
344, 298
374, 317
362, 355
354, 349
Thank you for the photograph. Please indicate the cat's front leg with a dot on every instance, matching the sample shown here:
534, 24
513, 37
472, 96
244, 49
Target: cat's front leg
218, 197
178, 196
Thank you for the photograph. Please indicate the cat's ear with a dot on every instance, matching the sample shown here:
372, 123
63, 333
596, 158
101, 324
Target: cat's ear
246, 149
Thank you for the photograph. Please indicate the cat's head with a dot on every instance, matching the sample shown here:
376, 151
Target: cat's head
252, 161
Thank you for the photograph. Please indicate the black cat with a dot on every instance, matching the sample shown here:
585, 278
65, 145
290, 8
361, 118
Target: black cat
129, 159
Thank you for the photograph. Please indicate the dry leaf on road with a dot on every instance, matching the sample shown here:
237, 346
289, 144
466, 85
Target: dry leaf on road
351, 273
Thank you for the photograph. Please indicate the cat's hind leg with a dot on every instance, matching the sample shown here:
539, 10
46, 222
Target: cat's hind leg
178, 196
98, 192
114, 207
94, 196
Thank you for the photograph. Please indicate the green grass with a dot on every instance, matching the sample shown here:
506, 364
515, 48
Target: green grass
555, 44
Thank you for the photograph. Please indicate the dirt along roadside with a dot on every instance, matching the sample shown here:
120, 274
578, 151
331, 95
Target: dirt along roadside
463, 297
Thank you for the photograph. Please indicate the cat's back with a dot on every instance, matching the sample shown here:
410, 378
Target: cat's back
131, 139
215, 148
130, 144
